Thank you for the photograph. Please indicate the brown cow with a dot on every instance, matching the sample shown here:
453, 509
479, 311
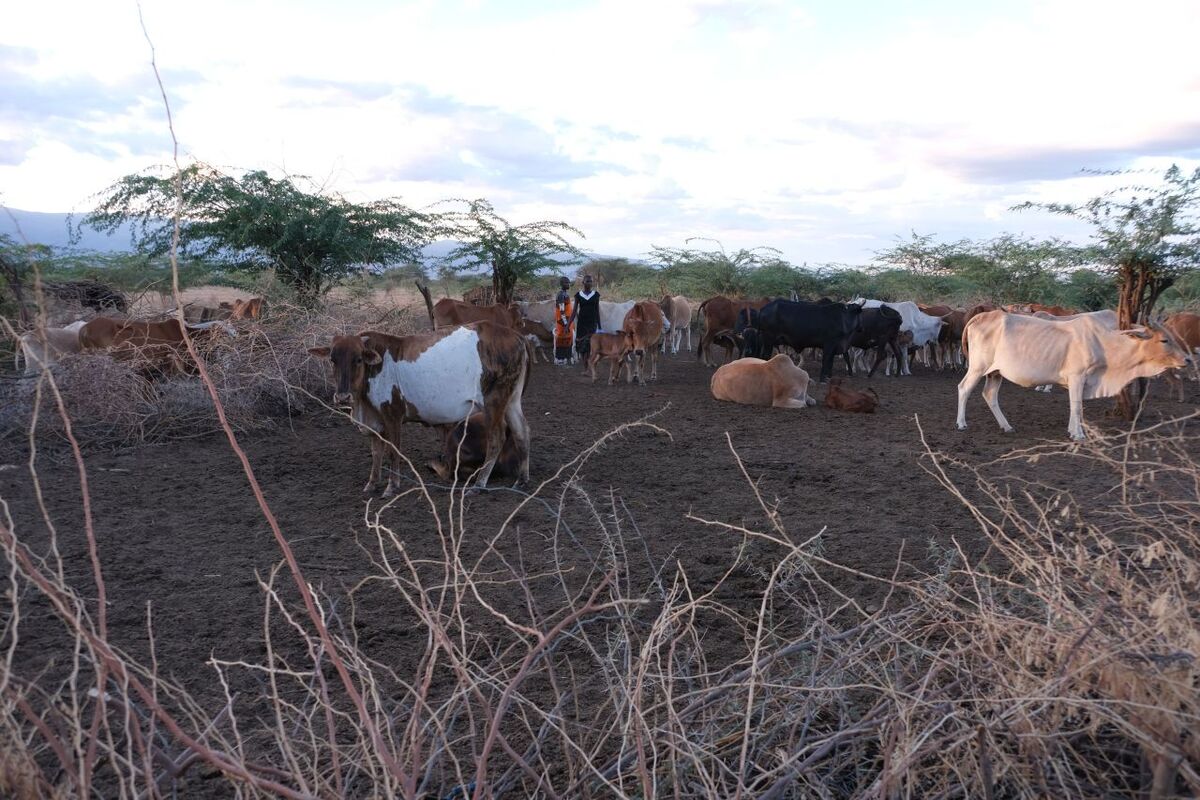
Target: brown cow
437, 378
935, 311
839, 398
615, 346
949, 343
720, 314
449, 312
979, 309
778, 383
247, 309
466, 446
644, 323
159, 344
1185, 327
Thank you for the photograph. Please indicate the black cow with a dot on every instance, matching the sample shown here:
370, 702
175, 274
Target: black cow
800, 324
878, 328
753, 344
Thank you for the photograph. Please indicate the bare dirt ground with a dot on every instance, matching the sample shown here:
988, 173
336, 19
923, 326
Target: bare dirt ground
180, 534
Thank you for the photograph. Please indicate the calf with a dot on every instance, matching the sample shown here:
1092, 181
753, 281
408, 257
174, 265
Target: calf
878, 328
839, 398
538, 337
778, 383
614, 346
678, 312
644, 322
44, 347
465, 445
438, 378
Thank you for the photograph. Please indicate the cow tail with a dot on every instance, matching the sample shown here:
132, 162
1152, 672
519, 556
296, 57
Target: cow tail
528, 368
966, 328
424, 290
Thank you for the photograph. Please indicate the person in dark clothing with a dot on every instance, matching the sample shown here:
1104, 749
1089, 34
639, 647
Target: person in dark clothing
587, 318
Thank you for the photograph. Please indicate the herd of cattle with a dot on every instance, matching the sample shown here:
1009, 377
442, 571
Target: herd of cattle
469, 374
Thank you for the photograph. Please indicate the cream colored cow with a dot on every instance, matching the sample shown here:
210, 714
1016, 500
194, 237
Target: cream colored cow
778, 383
46, 347
1084, 354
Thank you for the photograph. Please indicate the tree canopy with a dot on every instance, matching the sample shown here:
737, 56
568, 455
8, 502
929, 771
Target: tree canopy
253, 223
512, 252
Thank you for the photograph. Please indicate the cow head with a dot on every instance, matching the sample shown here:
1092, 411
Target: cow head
350, 359
1157, 348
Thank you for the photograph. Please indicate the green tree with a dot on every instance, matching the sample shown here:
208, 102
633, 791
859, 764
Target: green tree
311, 239
1146, 235
613, 271
512, 252
695, 272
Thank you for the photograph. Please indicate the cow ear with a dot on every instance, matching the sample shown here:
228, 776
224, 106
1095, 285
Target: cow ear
371, 358
1137, 333
319, 352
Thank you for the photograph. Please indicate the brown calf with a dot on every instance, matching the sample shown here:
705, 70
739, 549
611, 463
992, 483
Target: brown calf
448, 312
614, 346
159, 344
839, 398
466, 446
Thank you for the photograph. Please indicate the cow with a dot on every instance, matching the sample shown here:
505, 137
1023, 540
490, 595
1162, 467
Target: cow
925, 328
1083, 354
1105, 318
878, 328
839, 398
465, 445
449, 312
678, 312
438, 378
645, 325
800, 324
618, 347
159, 344
536, 334
720, 315
746, 328
251, 308
1185, 326
977, 309
43, 348
778, 383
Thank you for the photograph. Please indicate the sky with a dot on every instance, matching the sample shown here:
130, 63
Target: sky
823, 129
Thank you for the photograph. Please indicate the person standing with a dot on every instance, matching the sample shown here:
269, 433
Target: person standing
587, 318
564, 322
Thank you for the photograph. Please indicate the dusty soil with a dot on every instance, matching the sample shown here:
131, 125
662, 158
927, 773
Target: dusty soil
179, 529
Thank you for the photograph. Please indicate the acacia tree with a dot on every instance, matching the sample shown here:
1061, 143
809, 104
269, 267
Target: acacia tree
311, 239
699, 271
1146, 235
513, 252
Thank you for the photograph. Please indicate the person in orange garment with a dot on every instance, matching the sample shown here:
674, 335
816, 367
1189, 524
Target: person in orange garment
564, 323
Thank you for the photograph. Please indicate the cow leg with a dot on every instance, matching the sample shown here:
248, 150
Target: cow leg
991, 393
702, 350
1075, 423
614, 371
826, 364
689, 333
965, 387
849, 366
514, 415
377, 447
391, 443
593, 358
902, 366
653, 356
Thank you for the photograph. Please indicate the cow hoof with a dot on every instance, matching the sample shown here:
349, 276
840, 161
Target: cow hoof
370, 487
1009, 429
962, 426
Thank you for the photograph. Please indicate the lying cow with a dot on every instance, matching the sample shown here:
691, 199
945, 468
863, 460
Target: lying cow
616, 347
840, 398
1083, 354
438, 378
43, 348
778, 383
466, 446
159, 345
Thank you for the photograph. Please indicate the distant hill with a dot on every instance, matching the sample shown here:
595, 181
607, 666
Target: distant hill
39, 227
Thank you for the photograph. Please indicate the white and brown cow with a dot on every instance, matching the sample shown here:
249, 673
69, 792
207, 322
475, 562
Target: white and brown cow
778, 383
438, 378
678, 312
1082, 353
44, 347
